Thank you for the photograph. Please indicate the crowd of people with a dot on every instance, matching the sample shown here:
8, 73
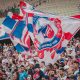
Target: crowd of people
16, 66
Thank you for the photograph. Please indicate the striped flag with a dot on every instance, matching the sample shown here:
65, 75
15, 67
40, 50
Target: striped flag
18, 30
19, 47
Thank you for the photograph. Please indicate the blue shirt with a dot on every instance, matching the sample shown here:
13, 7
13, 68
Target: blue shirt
23, 75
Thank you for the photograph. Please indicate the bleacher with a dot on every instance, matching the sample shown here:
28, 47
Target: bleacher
59, 7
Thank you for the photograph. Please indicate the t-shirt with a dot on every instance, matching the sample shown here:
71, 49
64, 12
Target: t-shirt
39, 75
23, 75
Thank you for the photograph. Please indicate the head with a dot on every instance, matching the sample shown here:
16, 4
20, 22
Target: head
22, 68
37, 68
70, 51
15, 76
29, 77
48, 68
68, 45
65, 62
61, 71
51, 73
43, 78
56, 66
42, 64
31, 64
19, 70
70, 58
76, 65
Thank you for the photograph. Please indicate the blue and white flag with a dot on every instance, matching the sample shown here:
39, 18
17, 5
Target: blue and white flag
3, 35
17, 29
19, 47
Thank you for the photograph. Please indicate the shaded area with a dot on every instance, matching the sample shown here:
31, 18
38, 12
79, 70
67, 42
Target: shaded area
7, 41
77, 34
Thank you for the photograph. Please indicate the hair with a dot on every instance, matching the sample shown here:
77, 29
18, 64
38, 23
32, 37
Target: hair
62, 69
43, 62
56, 65
50, 65
76, 62
22, 66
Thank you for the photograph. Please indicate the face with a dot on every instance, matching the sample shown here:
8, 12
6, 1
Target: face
22, 68
65, 62
75, 65
14, 76
55, 67
43, 79
41, 64
61, 72
36, 70
31, 65
19, 70
47, 68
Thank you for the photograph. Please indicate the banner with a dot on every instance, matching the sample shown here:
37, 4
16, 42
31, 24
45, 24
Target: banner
17, 30
51, 32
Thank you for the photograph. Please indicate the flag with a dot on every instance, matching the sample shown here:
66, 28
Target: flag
19, 47
76, 16
2, 32
18, 30
25, 7
3, 35
51, 33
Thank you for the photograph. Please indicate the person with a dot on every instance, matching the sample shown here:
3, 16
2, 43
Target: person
42, 66
31, 70
15, 76
38, 75
22, 73
62, 75
1, 48
1, 74
76, 70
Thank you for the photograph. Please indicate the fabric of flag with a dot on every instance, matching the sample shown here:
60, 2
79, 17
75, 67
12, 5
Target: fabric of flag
8, 24
2, 32
18, 30
19, 47
51, 32
25, 7
3, 35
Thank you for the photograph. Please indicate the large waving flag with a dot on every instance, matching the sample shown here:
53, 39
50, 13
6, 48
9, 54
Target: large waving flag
51, 33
